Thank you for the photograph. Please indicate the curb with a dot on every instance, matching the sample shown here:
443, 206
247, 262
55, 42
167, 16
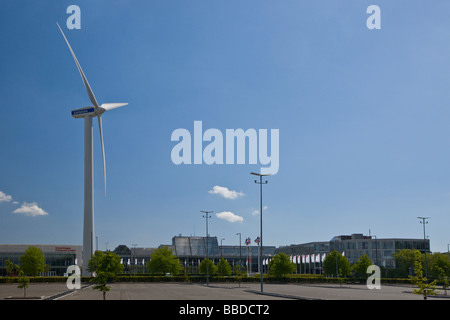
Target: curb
279, 295
66, 293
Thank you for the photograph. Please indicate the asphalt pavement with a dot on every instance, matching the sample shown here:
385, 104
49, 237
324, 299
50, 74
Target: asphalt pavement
215, 291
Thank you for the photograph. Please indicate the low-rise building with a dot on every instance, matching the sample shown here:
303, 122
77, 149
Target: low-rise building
380, 251
57, 257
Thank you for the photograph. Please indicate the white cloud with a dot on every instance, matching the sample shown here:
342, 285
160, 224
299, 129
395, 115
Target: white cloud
255, 212
229, 216
4, 197
226, 193
30, 209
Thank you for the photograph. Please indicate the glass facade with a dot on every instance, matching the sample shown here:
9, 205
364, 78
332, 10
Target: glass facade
380, 251
57, 258
192, 250
195, 246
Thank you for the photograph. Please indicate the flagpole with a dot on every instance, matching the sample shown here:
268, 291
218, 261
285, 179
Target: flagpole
247, 243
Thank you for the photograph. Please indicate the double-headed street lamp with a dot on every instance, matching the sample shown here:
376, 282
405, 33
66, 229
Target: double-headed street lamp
221, 248
206, 216
260, 222
425, 246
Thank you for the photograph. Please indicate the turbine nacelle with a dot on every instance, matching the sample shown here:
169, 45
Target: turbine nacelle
95, 111
84, 112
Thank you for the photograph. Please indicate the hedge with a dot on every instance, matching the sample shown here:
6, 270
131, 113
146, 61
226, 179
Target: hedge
291, 278
39, 279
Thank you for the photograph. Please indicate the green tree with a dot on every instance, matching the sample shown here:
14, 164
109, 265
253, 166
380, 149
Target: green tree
423, 287
212, 268
443, 278
280, 265
105, 266
12, 269
438, 263
23, 282
32, 262
440, 268
239, 272
360, 267
122, 250
223, 267
335, 261
404, 260
163, 261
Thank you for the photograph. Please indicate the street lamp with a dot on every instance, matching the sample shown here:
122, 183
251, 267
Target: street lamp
240, 257
221, 248
425, 249
376, 250
260, 221
133, 253
206, 216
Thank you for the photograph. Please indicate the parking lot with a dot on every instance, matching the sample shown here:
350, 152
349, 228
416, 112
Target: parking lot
215, 291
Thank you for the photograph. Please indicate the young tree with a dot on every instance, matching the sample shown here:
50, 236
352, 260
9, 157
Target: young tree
424, 288
281, 265
212, 268
336, 262
239, 272
223, 267
443, 278
23, 282
404, 260
12, 269
440, 268
105, 266
32, 262
360, 267
163, 261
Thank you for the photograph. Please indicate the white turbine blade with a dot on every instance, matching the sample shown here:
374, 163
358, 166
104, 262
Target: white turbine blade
85, 81
110, 106
103, 149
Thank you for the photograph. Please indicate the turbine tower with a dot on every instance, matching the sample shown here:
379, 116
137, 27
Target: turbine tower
88, 113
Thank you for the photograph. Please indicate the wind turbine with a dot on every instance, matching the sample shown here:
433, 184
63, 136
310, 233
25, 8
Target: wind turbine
88, 113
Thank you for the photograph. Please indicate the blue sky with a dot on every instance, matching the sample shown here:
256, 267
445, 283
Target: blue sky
362, 116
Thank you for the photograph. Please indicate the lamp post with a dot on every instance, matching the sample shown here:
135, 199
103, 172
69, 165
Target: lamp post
240, 257
260, 221
425, 249
133, 253
376, 250
221, 248
206, 216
